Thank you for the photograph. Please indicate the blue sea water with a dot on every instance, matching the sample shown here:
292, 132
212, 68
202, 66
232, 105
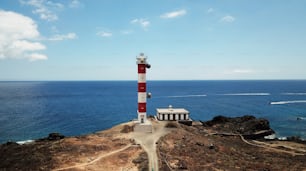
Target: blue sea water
31, 110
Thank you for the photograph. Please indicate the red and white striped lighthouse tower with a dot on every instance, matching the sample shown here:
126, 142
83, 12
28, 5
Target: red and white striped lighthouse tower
142, 88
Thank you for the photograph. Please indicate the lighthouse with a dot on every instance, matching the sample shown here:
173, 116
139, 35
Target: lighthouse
142, 88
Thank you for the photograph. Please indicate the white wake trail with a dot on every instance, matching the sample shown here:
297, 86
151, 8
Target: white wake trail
247, 94
288, 102
195, 95
294, 94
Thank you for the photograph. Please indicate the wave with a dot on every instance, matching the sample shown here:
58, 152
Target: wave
270, 137
287, 102
294, 94
282, 138
301, 118
24, 142
247, 94
195, 95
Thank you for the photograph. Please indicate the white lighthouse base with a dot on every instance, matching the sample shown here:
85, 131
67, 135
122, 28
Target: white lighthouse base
143, 127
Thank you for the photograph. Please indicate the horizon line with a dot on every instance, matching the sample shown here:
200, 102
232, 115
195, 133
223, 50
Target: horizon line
155, 80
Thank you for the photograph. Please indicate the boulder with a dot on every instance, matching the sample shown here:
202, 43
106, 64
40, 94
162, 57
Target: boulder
55, 136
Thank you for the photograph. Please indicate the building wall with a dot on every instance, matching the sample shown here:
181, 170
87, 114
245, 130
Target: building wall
174, 116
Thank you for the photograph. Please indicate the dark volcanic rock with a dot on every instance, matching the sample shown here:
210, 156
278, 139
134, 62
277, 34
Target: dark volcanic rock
52, 137
296, 139
217, 120
248, 126
55, 136
11, 143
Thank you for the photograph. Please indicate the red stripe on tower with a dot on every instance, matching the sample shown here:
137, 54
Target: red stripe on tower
142, 87
142, 107
141, 68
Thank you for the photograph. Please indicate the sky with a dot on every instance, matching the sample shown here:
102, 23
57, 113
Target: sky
182, 39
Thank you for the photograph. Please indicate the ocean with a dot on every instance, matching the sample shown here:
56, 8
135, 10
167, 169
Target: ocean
31, 110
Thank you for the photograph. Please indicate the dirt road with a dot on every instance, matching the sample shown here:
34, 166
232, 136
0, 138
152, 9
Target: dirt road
148, 142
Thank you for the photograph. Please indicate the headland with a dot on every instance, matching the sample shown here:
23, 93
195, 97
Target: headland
220, 144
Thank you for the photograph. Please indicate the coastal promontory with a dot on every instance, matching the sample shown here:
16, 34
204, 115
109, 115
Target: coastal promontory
220, 144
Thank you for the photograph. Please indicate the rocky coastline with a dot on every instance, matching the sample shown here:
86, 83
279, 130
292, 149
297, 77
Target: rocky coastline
222, 143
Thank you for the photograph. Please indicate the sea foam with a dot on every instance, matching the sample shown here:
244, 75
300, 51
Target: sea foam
24, 142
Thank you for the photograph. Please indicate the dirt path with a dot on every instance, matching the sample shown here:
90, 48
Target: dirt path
148, 142
290, 150
264, 145
95, 160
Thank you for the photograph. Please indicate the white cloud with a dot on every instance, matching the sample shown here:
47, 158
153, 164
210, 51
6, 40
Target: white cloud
210, 10
228, 19
59, 37
18, 34
174, 14
36, 56
144, 23
242, 71
104, 34
74, 4
24, 45
46, 9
